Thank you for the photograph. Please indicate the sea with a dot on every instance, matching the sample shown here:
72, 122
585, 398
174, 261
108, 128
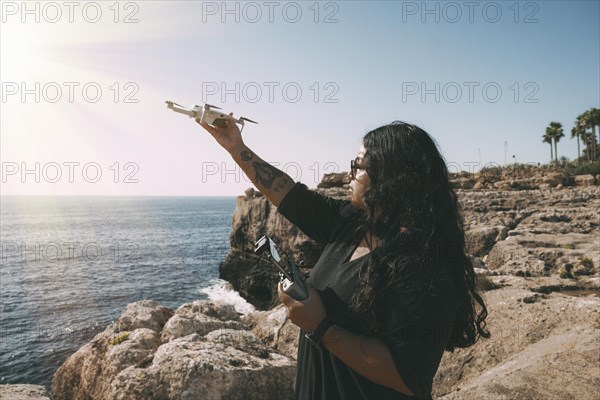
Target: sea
70, 265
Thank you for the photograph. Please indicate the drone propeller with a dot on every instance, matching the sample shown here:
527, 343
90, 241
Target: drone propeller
211, 106
248, 119
172, 102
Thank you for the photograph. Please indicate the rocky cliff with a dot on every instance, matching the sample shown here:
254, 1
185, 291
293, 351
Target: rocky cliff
24, 392
494, 203
199, 351
545, 343
537, 254
254, 216
534, 237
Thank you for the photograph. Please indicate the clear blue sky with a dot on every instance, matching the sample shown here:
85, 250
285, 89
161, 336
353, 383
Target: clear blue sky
367, 65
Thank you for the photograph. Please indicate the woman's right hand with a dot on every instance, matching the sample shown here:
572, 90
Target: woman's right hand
229, 138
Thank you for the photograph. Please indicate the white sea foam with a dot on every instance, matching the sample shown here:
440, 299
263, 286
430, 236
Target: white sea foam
220, 290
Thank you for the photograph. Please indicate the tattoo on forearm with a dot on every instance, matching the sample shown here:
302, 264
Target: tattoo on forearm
266, 174
280, 185
246, 155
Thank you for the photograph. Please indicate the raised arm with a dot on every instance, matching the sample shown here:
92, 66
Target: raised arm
270, 181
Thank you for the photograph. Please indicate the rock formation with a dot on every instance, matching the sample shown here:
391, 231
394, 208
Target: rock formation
24, 392
489, 216
255, 278
200, 351
544, 345
534, 240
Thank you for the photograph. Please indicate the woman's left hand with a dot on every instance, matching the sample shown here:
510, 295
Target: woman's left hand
306, 314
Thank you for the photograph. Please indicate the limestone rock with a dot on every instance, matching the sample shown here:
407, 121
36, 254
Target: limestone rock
544, 326
584, 180
217, 363
275, 330
338, 192
193, 368
200, 317
480, 240
540, 254
466, 183
255, 279
553, 179
502, 185
585, 266
87, 373
482, 271
144, 314
543, 346
490, 216
24, 392
337, 180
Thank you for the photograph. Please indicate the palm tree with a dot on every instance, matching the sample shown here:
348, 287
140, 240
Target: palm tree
558, 134
587, 140
555, 132
578, 131
582, 121
594, 120
590, 119
547, 138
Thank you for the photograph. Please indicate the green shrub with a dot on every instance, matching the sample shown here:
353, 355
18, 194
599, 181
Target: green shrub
588, 168
586, 262
565, 274
565, 271
119, 339
491, 171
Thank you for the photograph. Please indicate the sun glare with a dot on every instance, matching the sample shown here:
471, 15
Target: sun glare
21, 51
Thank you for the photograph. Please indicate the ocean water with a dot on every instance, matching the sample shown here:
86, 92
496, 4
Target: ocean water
70, 265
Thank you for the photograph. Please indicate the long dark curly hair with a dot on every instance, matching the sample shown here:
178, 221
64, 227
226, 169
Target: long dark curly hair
414, 214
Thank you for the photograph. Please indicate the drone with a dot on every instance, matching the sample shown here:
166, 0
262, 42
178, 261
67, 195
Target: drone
207, 114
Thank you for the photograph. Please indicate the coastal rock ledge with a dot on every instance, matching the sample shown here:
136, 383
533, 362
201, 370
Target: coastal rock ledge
24, 392
537, 258
200, 351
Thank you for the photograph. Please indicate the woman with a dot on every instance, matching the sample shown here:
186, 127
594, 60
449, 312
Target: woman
393, 287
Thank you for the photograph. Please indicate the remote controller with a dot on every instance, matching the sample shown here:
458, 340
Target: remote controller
291, 277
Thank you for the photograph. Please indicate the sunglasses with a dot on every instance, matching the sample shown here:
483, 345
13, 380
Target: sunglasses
354, 166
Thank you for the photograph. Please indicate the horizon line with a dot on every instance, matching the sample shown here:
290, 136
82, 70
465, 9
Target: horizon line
112, 195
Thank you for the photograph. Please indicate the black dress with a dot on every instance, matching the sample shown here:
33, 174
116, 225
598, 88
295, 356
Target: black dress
418, 326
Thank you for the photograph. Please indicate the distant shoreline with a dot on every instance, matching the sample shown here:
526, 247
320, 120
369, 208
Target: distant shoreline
113, 196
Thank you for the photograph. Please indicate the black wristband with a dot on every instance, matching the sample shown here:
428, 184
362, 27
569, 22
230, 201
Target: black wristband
316, 337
